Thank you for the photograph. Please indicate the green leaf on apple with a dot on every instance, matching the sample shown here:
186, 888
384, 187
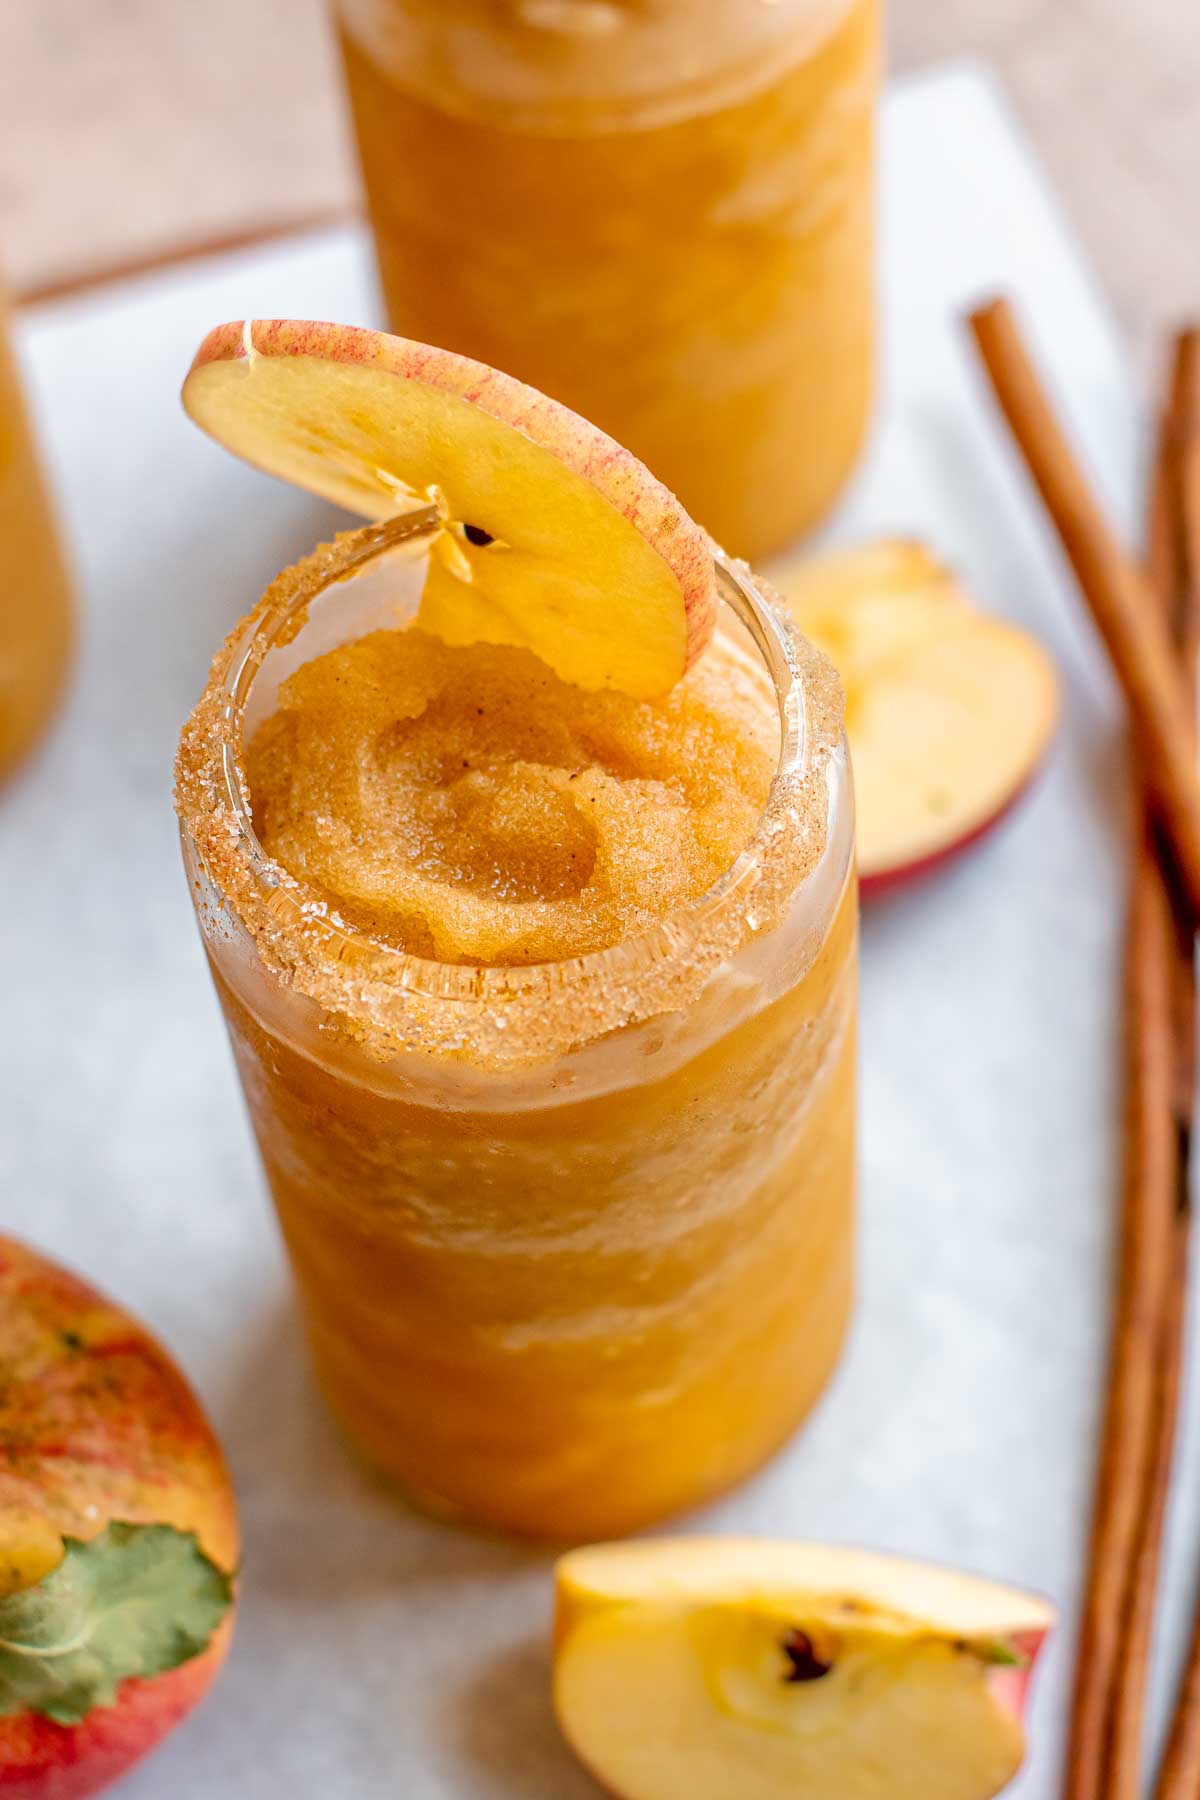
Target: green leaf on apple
135, 1600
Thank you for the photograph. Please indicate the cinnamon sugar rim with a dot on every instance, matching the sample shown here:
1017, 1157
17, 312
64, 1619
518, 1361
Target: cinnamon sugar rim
392, 1001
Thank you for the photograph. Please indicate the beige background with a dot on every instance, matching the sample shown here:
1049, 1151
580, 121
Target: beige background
131, 127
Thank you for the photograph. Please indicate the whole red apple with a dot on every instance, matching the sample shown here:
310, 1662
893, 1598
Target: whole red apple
118, 1537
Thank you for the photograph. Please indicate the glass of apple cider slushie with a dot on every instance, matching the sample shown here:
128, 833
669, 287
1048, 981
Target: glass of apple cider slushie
659, 211
567, 1186
520, 835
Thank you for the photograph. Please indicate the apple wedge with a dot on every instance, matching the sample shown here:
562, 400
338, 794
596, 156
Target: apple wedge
949, 712
715, 1667
552, 536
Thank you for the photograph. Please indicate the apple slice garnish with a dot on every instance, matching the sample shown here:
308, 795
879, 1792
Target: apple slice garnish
949, 712
712, 1667
553, 537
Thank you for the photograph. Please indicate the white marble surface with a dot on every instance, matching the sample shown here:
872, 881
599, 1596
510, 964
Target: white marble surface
379, 1655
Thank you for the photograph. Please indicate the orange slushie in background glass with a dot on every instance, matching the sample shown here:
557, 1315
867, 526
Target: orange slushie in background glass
659, 211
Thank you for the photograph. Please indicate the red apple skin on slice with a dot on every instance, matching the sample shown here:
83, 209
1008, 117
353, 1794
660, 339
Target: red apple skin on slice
950, 713
889, 881
577, 552
1011, 1686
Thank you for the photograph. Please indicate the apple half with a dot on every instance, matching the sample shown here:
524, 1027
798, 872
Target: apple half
721, 1667
949, 712
552, 536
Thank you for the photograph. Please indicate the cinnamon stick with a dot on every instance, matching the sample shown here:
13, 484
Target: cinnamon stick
1179, 604
1116, 592
83, 280
1147, 1214
1144, 1371
1180, 1778
1180, 1775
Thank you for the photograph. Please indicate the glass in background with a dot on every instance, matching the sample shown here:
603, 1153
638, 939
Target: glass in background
35, 597
660, 211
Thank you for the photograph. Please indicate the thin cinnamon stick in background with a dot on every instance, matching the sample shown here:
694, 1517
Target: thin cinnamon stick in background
1179, 605
1116, 592
1144, 1263
169, 256
1180, 1775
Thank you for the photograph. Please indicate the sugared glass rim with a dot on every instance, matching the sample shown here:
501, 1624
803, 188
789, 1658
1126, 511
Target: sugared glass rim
775, 642
393, 1001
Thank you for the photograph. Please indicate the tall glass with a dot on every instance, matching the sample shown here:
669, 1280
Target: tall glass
35, 596
659, 211
573, 1241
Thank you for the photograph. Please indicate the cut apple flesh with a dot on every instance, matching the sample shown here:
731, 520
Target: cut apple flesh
781, 1671
948, 712
552, 536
